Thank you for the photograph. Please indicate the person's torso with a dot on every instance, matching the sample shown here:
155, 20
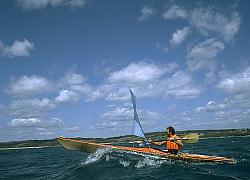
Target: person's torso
172, 144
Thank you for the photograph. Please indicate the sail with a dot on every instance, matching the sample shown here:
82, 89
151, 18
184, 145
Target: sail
137, 128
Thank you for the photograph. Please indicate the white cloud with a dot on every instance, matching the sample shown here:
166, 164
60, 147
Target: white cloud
99, 92
161, 47
179, 36
22, 122
75, 82
139, 73
208, 20
71, 129
29, 86
232, 27
67, 96
180, 85
175, 12
211, 76
73, 78
202, 55
212, 106
30, 107
120, 119
39, 4
146, 12
38, 128
118, 114
76, 3
18, 48
231, 113
74, 86
238, 84
163, 83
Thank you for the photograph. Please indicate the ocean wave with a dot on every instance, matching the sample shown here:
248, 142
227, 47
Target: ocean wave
150, 162
124, 163
96, 156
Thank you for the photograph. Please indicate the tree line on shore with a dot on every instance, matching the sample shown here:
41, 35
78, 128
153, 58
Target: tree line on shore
155, 136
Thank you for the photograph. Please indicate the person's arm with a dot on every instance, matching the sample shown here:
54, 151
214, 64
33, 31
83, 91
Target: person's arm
179, 142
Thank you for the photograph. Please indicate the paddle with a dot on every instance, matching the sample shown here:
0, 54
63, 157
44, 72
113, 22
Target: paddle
189, 138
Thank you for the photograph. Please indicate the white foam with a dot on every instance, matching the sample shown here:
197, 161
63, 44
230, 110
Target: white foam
149, 162
124, 163
95, 157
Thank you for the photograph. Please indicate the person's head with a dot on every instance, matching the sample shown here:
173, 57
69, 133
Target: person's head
170, 131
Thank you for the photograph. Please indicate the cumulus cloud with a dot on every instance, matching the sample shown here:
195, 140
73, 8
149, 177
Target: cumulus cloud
210, 23
238, 84
67, 96
22, 122
211, 106
17, 49
71, 129
208, 20
202, 55
28, 86
139, 73
161, 47
34, 4
179, 36
174, 12
100, 92
71, 87
31, 116
180, 85
50, 126
74, 86
38, 128
227, 113
120, 118
31, 107
75, 82
117, 114
146, 12
147, 80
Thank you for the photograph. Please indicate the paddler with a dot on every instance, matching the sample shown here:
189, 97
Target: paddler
173, 142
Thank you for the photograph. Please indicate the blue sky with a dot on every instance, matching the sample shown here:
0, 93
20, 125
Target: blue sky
66, 65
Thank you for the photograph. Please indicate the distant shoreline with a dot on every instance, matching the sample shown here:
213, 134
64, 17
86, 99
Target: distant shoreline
155, 136
221, 137
40, 147
18, 148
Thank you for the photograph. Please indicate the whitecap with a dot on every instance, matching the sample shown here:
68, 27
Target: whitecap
150, 162
95, 157
124, 163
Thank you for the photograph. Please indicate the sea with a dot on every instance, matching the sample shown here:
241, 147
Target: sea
107, 164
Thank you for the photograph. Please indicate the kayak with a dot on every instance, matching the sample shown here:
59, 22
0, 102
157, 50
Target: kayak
91, 147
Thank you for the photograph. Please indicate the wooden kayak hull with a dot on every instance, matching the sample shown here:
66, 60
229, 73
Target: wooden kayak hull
91, 147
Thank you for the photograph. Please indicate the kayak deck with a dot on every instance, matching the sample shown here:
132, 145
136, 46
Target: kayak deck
91, 147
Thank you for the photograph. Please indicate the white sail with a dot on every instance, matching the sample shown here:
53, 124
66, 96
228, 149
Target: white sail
137, 128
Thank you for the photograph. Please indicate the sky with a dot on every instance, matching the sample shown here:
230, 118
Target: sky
66, 66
